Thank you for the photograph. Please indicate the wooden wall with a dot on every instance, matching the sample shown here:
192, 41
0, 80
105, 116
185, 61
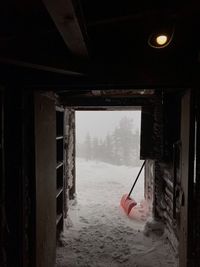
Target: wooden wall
18, 153
196, 210
160, 183
149, 183
176, 187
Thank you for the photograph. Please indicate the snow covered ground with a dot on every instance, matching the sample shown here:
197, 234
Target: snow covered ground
97, 231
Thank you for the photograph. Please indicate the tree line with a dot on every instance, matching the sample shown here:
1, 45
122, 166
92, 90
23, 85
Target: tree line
121, 147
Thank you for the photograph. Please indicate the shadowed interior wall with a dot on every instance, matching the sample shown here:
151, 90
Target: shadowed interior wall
2, 184
196, 211
13, 141
45, 160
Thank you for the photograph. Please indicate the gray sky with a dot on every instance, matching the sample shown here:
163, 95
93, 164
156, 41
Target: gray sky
99, 123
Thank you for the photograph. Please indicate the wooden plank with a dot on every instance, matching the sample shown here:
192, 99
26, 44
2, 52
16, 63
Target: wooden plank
45, 164
169, 193
73, 138
14, 133
64, 15
172, 238
104, 102
168, 218
187, 168
146, 139
168, 202
2, 179
43, 67
151, 144
197, 181
168, 182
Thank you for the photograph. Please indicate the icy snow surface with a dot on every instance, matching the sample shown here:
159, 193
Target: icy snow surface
97, 231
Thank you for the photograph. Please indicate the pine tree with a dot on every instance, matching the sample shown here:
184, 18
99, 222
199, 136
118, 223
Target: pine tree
126, 139
117, 158
109, 153
121, 147
102, 150
95, 148
88, 147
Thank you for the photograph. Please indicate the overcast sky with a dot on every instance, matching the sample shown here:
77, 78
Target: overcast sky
99, 123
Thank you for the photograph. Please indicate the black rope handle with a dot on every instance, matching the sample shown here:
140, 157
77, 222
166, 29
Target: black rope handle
137, 178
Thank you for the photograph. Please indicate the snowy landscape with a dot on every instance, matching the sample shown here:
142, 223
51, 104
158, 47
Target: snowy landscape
97, 231
109, 136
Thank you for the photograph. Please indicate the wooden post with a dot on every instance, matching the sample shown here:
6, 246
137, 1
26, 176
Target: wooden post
45, 174
187, 171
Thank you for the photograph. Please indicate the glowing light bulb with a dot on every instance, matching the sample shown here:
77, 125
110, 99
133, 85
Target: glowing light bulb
161, 39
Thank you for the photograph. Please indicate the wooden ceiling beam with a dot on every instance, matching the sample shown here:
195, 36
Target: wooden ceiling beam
82, 102
69, 22
43, 67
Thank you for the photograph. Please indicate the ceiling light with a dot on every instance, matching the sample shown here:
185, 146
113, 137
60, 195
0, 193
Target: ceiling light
160, 39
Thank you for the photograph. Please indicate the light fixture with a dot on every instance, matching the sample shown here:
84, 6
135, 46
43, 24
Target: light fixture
160, 39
